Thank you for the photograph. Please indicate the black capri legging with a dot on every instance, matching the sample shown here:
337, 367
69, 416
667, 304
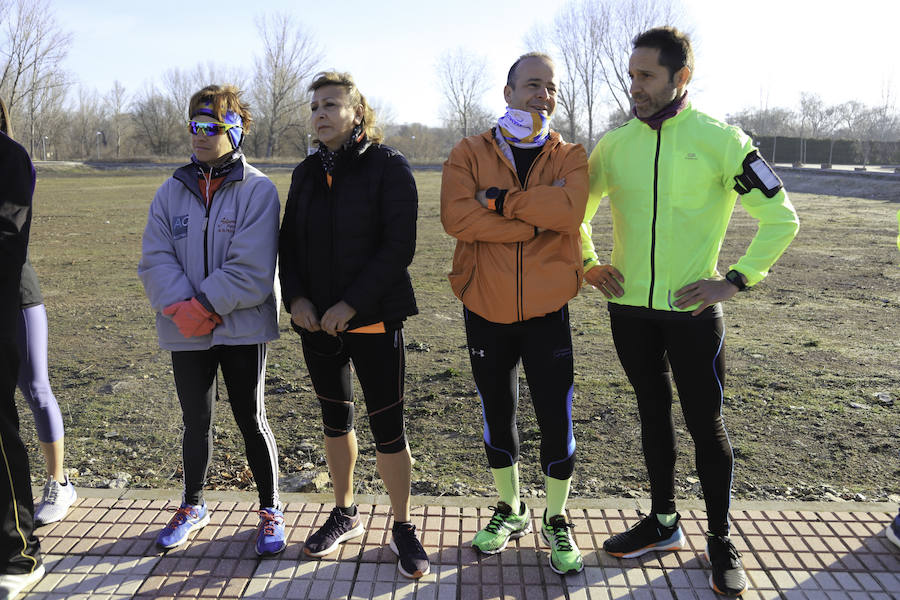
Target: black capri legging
652, 351
379, 360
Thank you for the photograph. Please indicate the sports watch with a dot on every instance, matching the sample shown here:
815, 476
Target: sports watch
494, 197
736, 278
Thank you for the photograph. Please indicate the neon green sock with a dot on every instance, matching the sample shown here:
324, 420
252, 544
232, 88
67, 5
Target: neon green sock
507, 482
557, 494
666, 520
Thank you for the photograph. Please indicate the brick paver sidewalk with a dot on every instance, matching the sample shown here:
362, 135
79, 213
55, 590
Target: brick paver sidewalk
105, 549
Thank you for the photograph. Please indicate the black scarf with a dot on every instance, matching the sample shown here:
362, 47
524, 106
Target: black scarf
328, 157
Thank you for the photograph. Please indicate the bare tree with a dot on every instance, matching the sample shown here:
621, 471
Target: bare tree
115, 102
864, 124
568, 93
178, 85
817, 121
625, 19
576, 32
33, 50
765, 121
592, 39
290, 56
156, 116
46, 130
385, 113
814, 119
84, 123
463, 81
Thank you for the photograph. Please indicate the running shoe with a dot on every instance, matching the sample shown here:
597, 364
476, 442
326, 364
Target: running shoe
649, 534
337, 529
55, 502
727, 577
893, 531
413, 561
502, 527
270, 533
11, 584
565, 557
187, 518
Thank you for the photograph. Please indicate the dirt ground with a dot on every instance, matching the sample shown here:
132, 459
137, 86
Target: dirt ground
812, 393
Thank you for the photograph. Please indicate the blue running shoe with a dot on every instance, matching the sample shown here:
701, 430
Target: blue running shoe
270, 534
893, 531
187, 518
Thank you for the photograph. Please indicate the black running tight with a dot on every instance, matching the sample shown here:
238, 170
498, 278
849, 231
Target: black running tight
652, 352
544, 345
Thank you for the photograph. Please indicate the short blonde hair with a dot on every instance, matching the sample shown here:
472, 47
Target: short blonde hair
345, 80
222, 98
5, 125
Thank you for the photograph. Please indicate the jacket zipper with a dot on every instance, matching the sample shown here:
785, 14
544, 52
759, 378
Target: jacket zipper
462, 292
520, 251
208, 206
331, 210
653, 225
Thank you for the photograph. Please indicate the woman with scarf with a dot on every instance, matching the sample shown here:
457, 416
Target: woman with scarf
347, 238
208, 267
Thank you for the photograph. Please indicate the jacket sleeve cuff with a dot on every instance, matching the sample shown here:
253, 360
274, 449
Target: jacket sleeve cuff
590, 263
202, 299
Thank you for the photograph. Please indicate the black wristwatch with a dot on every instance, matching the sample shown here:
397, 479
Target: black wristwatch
736, 278
495, 196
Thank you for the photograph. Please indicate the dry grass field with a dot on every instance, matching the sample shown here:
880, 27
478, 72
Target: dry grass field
808, 352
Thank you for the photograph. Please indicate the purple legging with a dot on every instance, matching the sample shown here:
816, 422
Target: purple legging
34, 380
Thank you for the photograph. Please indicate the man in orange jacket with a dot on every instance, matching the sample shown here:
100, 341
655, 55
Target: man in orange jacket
513, 197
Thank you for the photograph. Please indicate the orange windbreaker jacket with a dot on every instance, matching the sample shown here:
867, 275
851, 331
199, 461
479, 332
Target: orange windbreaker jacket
526, 262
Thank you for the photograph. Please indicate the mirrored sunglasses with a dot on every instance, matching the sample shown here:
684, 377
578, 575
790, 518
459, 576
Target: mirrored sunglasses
208, 129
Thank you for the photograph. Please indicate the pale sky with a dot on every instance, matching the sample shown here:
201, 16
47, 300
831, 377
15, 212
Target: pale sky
748, 54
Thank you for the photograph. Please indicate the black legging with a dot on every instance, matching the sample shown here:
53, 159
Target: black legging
694, 349
244, 372
544, 344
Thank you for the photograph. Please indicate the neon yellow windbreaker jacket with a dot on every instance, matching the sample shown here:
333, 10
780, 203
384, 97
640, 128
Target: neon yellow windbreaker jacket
671, 196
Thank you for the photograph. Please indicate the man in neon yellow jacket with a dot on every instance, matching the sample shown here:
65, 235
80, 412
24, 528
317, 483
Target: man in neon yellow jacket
672, 176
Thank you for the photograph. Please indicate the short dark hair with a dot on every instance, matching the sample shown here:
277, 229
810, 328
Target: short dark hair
674, 47
511, 76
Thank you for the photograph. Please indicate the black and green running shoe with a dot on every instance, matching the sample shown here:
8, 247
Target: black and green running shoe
565, 558
502, 527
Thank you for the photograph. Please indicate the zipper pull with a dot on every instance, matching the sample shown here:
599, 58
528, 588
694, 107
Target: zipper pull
205, 222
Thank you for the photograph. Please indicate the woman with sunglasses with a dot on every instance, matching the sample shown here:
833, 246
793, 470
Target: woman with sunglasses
208, 267
348, 235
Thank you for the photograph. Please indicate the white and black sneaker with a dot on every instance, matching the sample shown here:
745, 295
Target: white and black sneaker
649, 534
727, 577
55, 502
12, 584
412, 559
337, 529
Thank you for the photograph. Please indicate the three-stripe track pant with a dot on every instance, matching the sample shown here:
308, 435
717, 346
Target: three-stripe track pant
244, 372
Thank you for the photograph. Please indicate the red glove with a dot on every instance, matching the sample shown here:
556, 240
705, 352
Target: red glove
192, 318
